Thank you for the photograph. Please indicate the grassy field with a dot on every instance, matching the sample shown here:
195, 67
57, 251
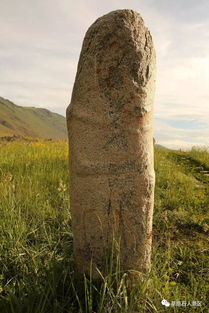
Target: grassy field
36, 260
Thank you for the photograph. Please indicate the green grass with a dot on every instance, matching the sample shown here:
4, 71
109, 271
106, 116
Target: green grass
201, 155
36, 261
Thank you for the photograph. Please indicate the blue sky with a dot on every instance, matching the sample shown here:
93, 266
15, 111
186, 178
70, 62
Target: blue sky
41, 41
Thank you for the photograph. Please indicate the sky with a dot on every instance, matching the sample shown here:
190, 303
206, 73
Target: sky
40, 43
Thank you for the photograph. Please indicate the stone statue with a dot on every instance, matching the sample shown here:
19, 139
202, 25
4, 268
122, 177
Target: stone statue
111, 143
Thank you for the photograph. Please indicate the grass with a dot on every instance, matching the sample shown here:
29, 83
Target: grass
36, 261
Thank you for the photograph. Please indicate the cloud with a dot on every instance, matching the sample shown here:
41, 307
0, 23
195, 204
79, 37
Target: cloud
181, 144
180, 137
41, 42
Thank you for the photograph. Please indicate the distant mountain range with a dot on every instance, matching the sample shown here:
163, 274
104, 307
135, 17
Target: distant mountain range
30, 122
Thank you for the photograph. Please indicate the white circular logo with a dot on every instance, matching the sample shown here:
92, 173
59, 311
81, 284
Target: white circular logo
165, 302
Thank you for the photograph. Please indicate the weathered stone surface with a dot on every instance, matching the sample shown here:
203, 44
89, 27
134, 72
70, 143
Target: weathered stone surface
111, 142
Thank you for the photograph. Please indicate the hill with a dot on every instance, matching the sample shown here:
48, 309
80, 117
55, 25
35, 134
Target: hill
30, 122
